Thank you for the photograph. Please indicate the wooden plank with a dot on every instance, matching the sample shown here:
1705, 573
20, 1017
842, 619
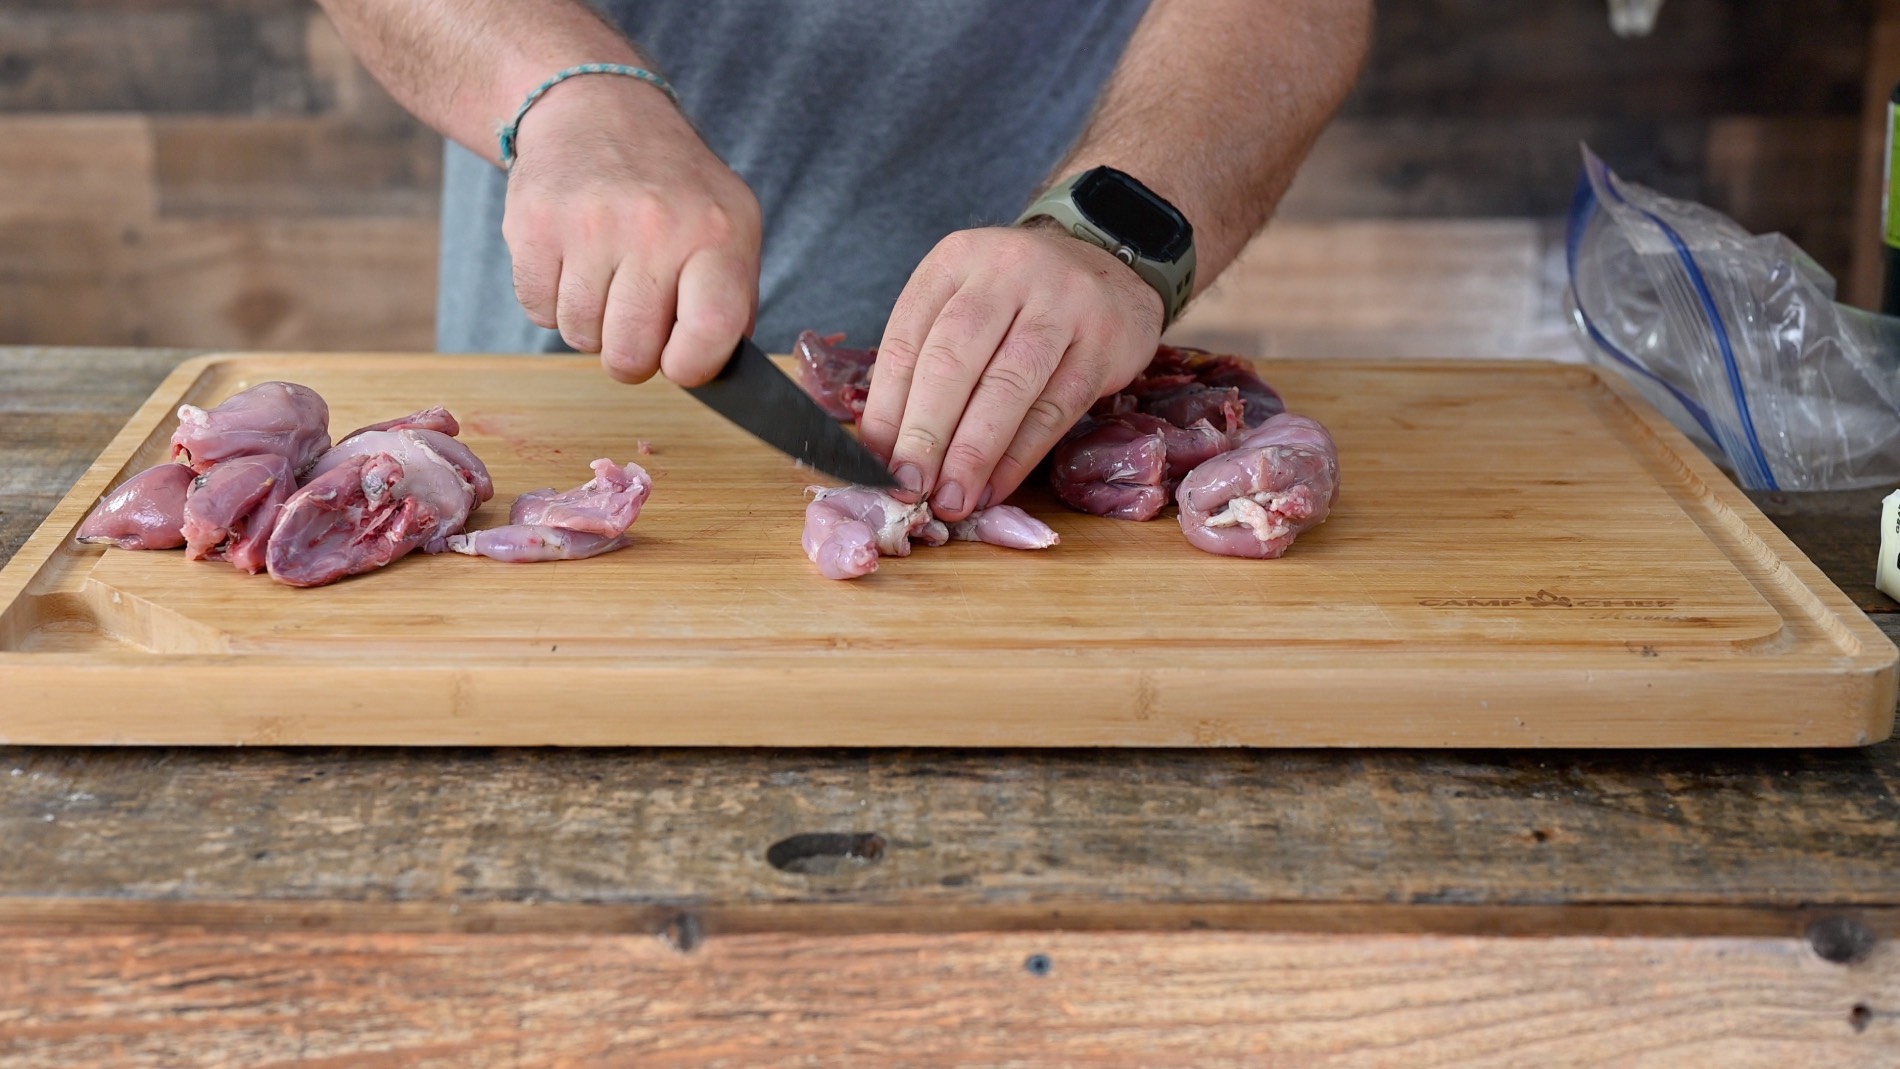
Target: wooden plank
1462, 573
1455, 165
1475, 276
1882, 76
194, 59
1069, 998
1487, 60
319, 283
985, 831
82, 167
1786, 175
243, 167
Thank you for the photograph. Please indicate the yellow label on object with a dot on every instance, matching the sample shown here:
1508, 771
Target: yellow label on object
1890, 196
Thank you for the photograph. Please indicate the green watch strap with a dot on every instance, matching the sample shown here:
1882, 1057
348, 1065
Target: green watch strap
1174, 281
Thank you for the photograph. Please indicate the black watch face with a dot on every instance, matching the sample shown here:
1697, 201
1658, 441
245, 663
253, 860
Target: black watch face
1127, 209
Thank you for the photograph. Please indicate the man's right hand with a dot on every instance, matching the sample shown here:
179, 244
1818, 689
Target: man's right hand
629, 235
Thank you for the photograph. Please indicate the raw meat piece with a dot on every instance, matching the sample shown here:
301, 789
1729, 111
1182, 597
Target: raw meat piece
146, 511
369, 443
1110, 467
1220, 407
232, 508
370, 509
545, 525
283, 418
435, 418
1005, 525
848, 527
839, 379
1263, 402
1281, 479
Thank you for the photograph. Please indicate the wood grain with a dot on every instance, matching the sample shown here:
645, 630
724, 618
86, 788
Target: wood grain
1086, 999
1523, 620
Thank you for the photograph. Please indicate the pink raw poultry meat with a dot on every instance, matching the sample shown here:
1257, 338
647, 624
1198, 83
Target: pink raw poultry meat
370, 508
1110, 467
283, 418
435, 418
146, 511
847, 529
1253, 501
232, 508
369, 443
839, 379
544, 525
1007, 526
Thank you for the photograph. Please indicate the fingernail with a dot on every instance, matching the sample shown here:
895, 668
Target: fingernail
984, 501
950, 497
910, 477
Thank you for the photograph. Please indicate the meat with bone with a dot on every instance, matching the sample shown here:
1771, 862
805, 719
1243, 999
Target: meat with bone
369, 509
146, 511
435, 418
283, 418
367, 443
546, 525
231, 510
1253, 501
848, 528
839, 379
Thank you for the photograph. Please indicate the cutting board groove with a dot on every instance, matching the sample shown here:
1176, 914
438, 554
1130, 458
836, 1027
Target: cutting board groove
1522, 555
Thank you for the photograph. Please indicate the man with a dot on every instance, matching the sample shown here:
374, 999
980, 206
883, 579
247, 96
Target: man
854, 165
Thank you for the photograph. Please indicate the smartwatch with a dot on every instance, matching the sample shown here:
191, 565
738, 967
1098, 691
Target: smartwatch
1111, 209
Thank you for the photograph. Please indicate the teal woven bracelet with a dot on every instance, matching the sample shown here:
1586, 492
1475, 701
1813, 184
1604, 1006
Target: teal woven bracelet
508, 132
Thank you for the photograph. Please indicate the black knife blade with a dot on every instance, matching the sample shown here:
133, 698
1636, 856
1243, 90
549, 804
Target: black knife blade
763, 401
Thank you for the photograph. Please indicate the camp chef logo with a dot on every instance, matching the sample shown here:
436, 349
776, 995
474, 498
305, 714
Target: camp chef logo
1544, 599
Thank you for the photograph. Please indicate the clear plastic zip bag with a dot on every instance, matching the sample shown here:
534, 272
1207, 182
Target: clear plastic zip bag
1736, 337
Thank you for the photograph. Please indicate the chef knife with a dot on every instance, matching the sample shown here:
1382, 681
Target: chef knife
763, 401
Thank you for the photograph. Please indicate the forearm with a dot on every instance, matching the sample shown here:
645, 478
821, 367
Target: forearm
464, 66
1216, 103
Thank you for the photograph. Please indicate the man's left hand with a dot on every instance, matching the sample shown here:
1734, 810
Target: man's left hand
1000, 342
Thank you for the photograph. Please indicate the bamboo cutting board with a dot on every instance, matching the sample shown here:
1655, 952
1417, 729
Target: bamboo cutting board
1521, 555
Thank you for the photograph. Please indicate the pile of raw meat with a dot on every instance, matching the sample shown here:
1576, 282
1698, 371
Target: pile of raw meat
1201, 429
256, 482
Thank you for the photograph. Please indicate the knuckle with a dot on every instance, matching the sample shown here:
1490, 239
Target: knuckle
968, 457
919, 442
1051, 414
1012, 378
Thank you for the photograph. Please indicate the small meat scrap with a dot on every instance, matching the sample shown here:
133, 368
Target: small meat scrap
146, 511
283, 418
839, 379
1253, 501
231, 510
369, 509
1007, 526
434, 418
545, 525
848, 528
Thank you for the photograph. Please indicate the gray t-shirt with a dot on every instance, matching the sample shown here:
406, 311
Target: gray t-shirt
868, 129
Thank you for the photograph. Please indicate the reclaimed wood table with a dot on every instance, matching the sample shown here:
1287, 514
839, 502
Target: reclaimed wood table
472, 907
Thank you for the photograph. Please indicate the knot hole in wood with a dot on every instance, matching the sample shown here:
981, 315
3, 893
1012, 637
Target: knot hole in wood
824, 853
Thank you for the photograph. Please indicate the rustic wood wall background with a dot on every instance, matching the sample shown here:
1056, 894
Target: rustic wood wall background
222, 173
